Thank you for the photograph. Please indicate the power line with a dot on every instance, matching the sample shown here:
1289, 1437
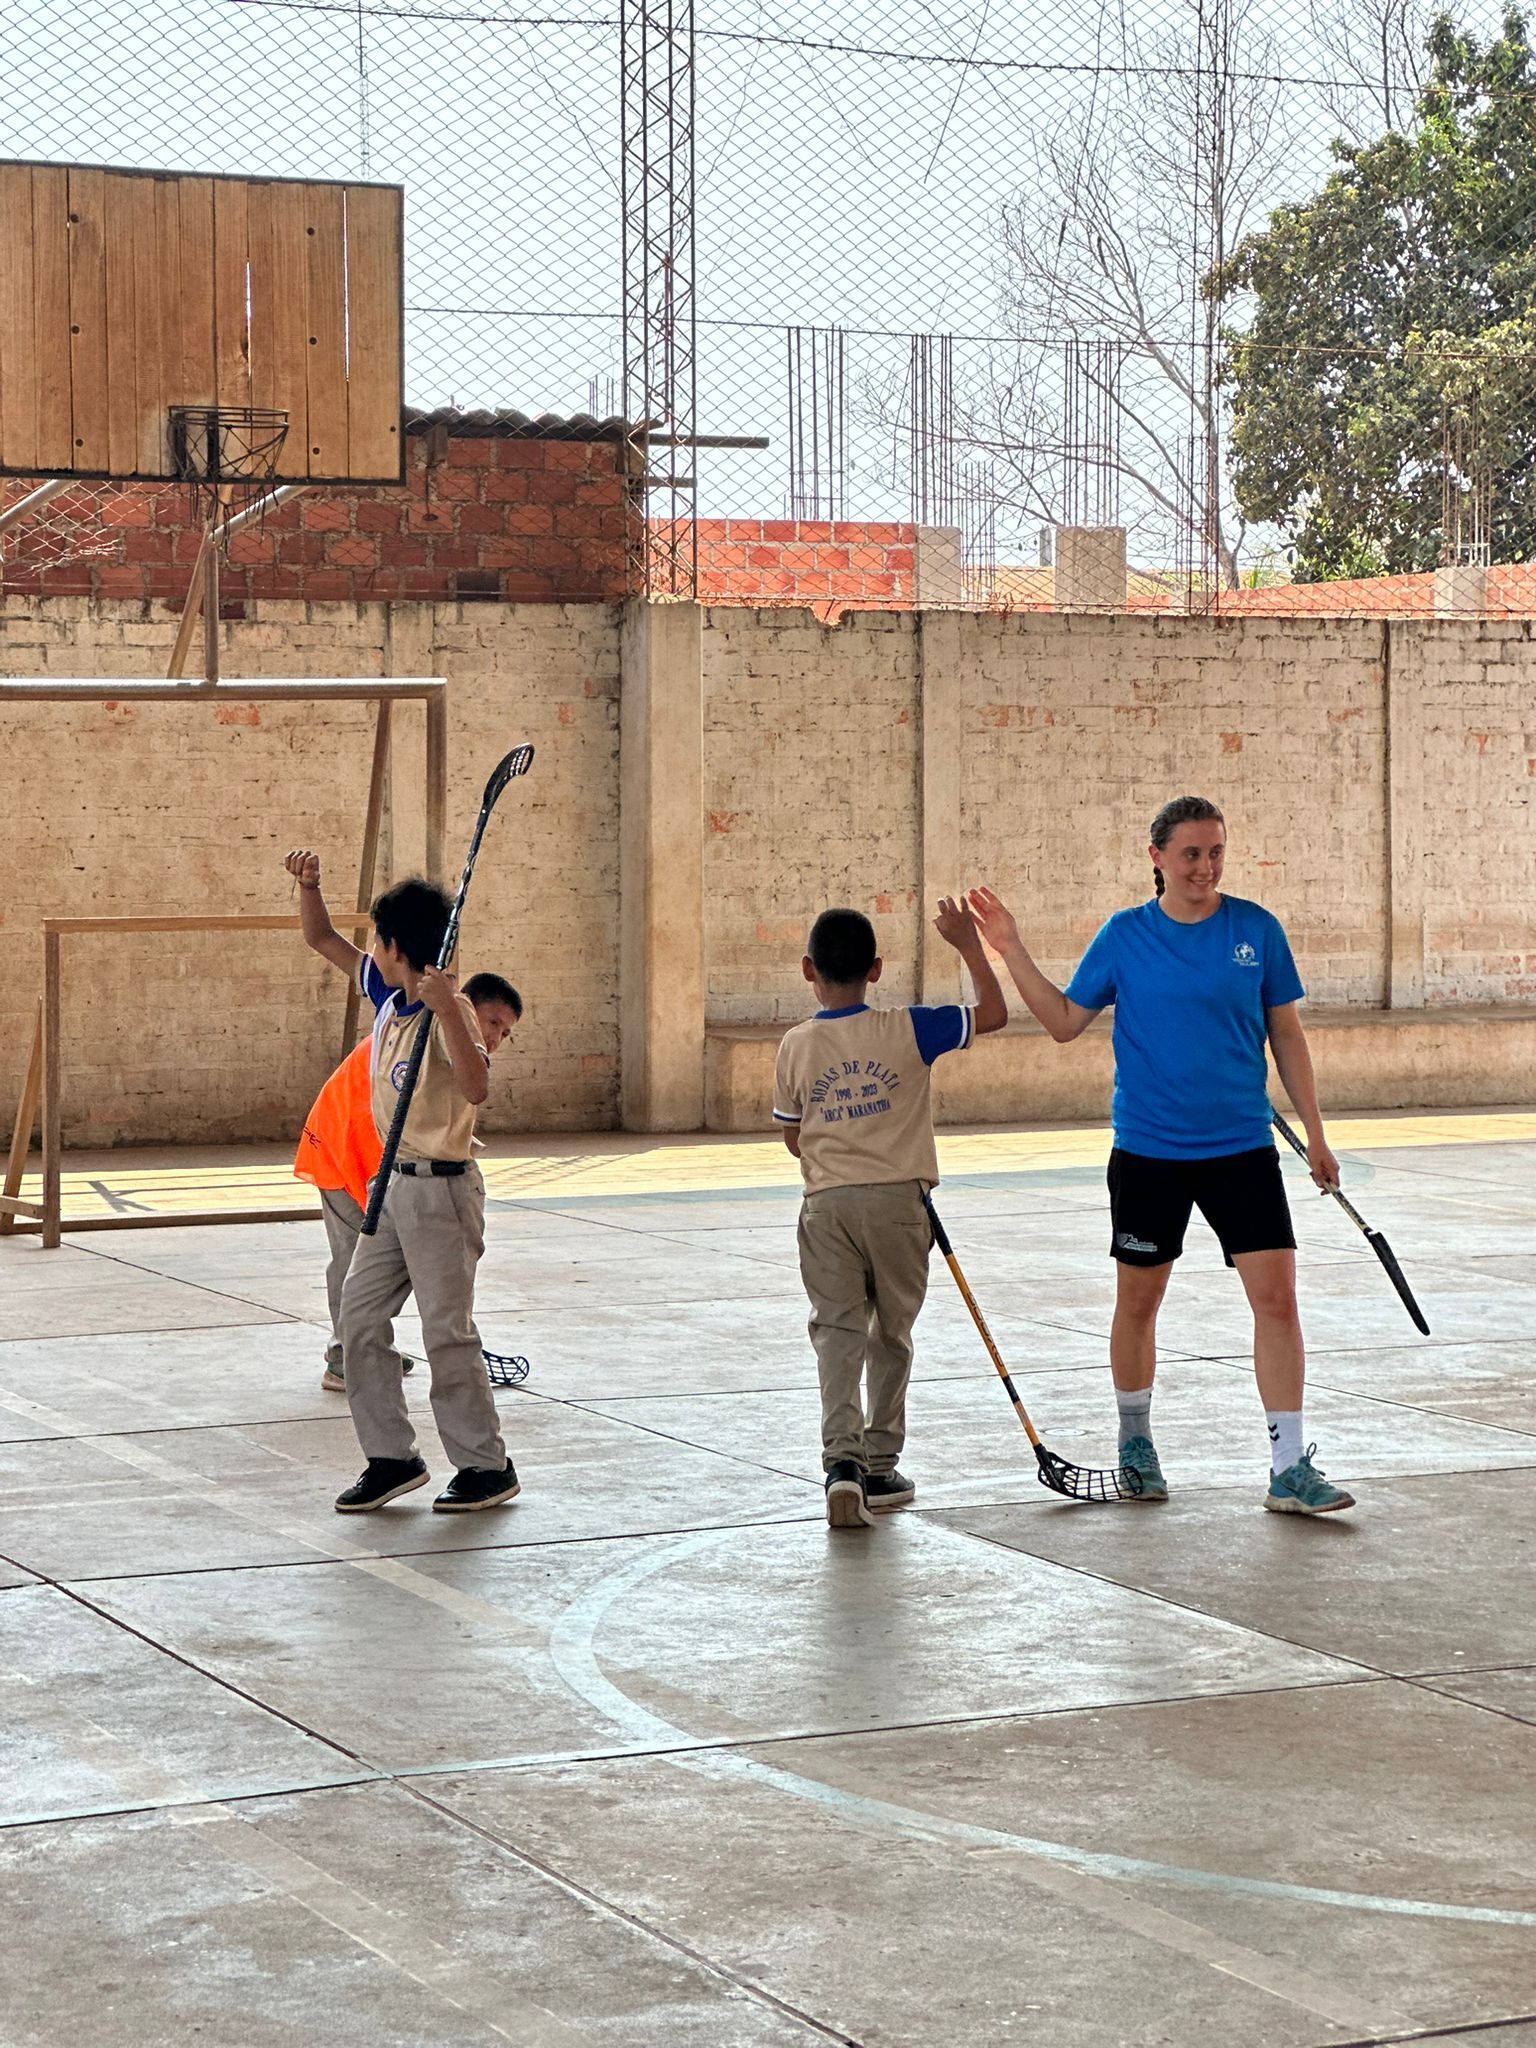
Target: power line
1386, 352
937, 59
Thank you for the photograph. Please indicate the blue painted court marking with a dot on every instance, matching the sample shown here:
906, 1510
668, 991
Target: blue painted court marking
573, 1652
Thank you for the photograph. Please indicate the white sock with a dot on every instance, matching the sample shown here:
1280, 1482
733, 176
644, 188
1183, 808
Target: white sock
1135, 1414
1284, 1437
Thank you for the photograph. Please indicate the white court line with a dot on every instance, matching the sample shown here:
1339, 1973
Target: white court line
575, 1658
575, 1661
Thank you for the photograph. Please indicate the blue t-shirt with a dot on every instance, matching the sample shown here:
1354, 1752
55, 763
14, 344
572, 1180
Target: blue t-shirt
1190, 1078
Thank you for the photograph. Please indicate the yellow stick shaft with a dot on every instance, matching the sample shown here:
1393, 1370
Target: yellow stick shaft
992, 1351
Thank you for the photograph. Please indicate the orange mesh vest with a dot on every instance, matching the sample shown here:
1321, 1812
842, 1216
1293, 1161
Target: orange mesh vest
340, 1147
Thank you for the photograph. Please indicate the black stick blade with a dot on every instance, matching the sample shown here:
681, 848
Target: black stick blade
1384, 1252
518, 762
1085, 1482
504, 1369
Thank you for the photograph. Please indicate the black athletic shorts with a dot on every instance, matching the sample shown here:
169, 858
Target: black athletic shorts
1241, 1196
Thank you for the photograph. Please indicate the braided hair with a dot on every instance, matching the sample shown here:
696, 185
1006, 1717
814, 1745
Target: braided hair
1183, 810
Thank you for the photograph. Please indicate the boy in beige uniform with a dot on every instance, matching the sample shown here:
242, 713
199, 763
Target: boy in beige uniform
852, 1097
432, 1227
339, 1151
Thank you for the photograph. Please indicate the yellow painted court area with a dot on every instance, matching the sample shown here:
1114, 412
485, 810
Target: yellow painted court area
621, 1165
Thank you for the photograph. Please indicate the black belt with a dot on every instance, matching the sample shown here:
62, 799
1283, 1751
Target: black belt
440, 1169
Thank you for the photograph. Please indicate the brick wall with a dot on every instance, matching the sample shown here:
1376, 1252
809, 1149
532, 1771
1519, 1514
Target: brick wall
804, 561
1074, 731
500, 519
1478, 710
1069, 733
810, 764
167, 808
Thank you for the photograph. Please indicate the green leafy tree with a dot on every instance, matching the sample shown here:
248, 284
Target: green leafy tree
1382, 379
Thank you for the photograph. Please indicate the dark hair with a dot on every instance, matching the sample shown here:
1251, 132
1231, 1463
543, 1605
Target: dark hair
842, 946
1184, 810
413, 915
490, 988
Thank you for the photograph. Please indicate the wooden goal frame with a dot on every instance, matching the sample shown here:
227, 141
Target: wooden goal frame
43, 1082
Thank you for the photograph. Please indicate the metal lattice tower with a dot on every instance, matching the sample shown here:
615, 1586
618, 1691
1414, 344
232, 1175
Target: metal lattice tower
656, 42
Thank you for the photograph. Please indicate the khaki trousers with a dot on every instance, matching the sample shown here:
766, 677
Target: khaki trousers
864, 1261
429, 1241
343, 1220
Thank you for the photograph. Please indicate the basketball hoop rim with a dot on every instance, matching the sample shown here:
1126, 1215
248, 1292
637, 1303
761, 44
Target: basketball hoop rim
202, 456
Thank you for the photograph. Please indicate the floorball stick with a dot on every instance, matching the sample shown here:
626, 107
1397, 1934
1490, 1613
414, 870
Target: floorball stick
1373, 1238
1077, 1482
518, 762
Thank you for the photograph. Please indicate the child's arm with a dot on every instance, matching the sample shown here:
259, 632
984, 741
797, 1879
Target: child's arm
787, 1106
1047, 1003
320, 935
471, 1065
957, 927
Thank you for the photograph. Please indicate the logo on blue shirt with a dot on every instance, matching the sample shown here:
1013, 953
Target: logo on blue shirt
1244, 955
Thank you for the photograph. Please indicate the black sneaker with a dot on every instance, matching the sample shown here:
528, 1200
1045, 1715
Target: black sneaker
473, 1488
385, 1480
888, 1490
846, 1508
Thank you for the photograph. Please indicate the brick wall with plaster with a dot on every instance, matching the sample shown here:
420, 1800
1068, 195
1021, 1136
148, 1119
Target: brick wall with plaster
810, 798
1067, 732
1074, 731
1478, 712
172, 808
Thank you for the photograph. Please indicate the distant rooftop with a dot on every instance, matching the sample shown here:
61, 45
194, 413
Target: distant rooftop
503, 424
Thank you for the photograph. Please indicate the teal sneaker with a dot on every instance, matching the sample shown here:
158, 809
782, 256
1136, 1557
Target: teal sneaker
1138, 1456
1302, 1490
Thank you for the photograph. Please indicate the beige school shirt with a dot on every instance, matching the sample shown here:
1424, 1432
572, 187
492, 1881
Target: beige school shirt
441, 1122
856, 1082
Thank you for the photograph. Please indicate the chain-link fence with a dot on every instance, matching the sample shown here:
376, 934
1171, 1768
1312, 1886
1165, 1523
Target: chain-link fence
1180, 303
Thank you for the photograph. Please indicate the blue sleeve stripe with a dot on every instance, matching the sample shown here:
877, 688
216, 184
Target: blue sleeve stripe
969, 1015
945, 1028
782, 1116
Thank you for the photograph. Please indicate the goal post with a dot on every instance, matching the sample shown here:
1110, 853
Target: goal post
44, 1079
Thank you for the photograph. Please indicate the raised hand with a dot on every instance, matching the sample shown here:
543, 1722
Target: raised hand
304, 867
955, 924
994, 920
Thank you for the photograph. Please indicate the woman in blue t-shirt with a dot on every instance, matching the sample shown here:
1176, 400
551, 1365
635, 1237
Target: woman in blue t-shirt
1198, 981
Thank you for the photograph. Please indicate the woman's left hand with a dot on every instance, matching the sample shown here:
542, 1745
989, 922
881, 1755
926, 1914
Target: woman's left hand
1325, 1168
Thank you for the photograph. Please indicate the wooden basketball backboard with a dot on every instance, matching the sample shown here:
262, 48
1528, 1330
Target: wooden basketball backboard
124, 293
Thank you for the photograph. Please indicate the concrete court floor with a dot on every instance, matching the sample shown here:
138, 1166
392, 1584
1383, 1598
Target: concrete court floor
652, 1759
